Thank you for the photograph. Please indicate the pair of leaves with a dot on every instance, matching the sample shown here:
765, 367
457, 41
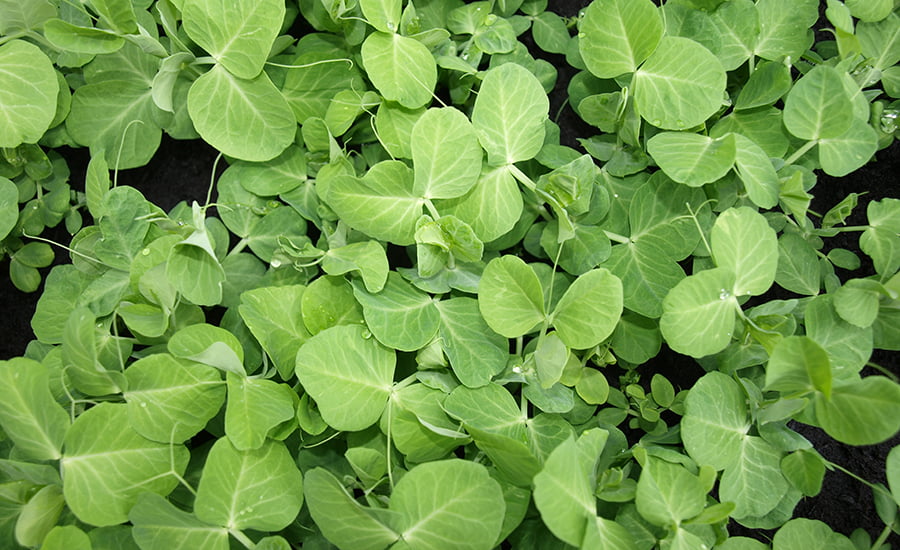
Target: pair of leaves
511, 300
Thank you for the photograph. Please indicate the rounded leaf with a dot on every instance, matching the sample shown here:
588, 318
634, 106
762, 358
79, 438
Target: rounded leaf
680, 85
28, 94
618, 35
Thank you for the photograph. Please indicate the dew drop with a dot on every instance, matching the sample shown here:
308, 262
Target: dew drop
276, 263
581, 35
615, 195
144, 405
391, 26
657, 122
679, 123
145, 252
724, 294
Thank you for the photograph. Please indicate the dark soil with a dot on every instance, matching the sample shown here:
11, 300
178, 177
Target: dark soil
181, 171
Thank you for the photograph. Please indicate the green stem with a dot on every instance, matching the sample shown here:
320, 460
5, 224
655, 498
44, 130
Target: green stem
519, 175
432, 211
11, 37
387, 446
616, 237
242, 538
884, 371
865, 482
241, 245
882, 538
800, 152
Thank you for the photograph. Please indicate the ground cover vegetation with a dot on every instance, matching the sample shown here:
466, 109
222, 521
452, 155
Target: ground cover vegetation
407, 315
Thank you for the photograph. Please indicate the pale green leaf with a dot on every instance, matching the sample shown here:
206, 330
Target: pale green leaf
449, 505
446, 154
28, 94
170, 400
349, 374
618, 35
400, 316
667, 493
255, 407
698, 313
401, 68
244, 118
754, 483
509, 114
798, 364
863, 412
238, 34
159, 524
715, 421
259, 489
476, 352
744, 243
510, 297
818, 106
29, 415
693, 159
107, 465
589, 310
680, 85
273, 315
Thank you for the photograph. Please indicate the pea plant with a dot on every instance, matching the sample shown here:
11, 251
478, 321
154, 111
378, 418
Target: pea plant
408, 315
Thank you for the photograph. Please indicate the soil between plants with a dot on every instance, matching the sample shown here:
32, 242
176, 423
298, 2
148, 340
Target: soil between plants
181, 171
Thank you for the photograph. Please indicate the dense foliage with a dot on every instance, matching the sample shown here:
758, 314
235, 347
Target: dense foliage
411, 317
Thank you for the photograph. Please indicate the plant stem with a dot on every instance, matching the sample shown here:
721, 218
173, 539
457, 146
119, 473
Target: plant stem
616, 237
242, 538
885, 533
801, 151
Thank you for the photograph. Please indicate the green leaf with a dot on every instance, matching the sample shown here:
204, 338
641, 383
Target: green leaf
255, 407
805, 470
715, 421
237, 34
754, 483
848, 346
563, 489
82, 39
849, 151
87, 372
118, 118
401, 68
349, 375
9, 206
18, 16
818, 106
384, 15
857, 301
446, 154
892, 471
170, 400
880, 41
400, 316
862, 412
159, 524
801, 533
28, 94
698, 314
489, 408
510, 297
476, 353
259, 489
693, 159
509, 114
322, 69
756, 172
280, 175
210, 345
737, 25
550, 32
329, 302
244, 118
798, 265
680, 85
382, 204
784, 28
589, 310
107, 465
667, 493
345, 523
618, 35
798, 364
768, 83
66, 537
273, 315
39, 515
368, 258
28, 413
491, 208
745, 244
449, 504
195, 272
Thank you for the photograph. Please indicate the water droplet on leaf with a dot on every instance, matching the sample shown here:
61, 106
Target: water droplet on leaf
724, 294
